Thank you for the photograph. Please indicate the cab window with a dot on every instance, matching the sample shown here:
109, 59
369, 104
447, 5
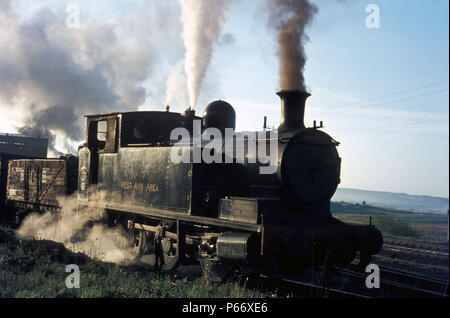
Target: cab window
102, 130
102, 134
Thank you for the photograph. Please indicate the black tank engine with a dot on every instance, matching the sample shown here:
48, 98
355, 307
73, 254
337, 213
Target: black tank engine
225, 211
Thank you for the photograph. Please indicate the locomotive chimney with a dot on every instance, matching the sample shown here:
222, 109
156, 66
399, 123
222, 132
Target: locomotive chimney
292, 109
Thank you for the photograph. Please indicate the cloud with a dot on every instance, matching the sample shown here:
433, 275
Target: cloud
55, 75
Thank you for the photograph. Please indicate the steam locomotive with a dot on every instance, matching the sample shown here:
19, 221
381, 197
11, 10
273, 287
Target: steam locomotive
225, 213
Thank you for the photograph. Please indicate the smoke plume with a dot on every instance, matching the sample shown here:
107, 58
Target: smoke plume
55, 74
290, 18
202, 23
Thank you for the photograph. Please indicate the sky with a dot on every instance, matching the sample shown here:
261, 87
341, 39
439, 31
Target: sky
381, 92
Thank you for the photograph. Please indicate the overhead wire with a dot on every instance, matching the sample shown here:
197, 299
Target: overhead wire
335, 109
435, 122
387, 102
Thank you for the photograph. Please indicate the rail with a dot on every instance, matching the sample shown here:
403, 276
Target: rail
350, 282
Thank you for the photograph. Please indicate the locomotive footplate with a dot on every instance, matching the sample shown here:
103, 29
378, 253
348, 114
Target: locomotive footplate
172, 215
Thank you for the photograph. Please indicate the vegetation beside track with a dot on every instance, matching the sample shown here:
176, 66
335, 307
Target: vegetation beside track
31, 268
426, 231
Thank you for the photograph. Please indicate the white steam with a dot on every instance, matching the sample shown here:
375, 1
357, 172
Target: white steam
176, 92
202, 23
71, 228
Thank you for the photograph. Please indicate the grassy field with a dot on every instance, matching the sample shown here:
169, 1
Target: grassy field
37, 269
427, 227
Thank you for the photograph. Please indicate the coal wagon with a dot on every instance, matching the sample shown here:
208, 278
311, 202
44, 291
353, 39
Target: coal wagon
34, 185
5, 158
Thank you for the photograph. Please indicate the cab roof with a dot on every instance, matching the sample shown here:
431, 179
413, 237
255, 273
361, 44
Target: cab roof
131, 112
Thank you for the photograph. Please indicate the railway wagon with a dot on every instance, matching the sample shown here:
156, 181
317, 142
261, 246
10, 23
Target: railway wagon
5, 158
34, 185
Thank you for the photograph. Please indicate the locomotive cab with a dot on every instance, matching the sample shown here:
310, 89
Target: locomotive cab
113, 140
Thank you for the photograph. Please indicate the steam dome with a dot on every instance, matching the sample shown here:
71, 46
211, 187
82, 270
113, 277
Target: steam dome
219, 114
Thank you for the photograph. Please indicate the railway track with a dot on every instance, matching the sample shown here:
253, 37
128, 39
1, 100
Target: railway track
419, 283
351, 283
400, 248
440, 247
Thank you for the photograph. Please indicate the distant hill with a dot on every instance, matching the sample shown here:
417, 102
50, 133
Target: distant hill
401, 201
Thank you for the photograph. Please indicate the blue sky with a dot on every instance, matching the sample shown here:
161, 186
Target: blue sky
397, 143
